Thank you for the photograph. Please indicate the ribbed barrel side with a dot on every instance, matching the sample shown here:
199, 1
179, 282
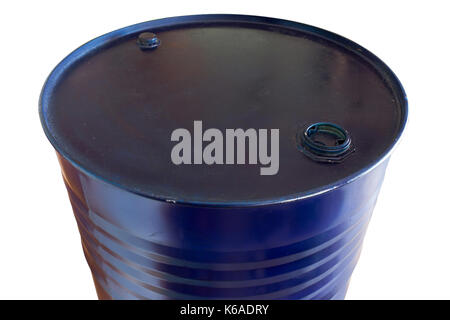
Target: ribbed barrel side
305, 249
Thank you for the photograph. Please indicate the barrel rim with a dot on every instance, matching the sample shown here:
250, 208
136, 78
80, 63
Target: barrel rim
379, 66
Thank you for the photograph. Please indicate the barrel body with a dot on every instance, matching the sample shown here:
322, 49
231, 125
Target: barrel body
141, 248
274, 207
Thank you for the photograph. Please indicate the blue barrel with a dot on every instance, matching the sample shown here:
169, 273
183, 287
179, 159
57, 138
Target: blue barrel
214, 225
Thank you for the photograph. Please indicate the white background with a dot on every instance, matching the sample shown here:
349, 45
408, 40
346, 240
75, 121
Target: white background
406, 252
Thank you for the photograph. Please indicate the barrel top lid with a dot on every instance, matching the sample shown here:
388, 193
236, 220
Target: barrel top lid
112, 106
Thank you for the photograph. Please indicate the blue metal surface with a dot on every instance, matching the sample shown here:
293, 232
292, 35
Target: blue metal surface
304, 245
140, 248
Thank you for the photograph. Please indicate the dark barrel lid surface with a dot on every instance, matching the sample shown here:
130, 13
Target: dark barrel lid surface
111, 107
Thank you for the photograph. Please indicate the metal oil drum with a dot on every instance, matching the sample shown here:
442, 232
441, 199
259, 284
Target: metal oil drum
154, 228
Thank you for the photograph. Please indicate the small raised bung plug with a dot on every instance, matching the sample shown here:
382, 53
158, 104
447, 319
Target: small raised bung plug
148, 40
